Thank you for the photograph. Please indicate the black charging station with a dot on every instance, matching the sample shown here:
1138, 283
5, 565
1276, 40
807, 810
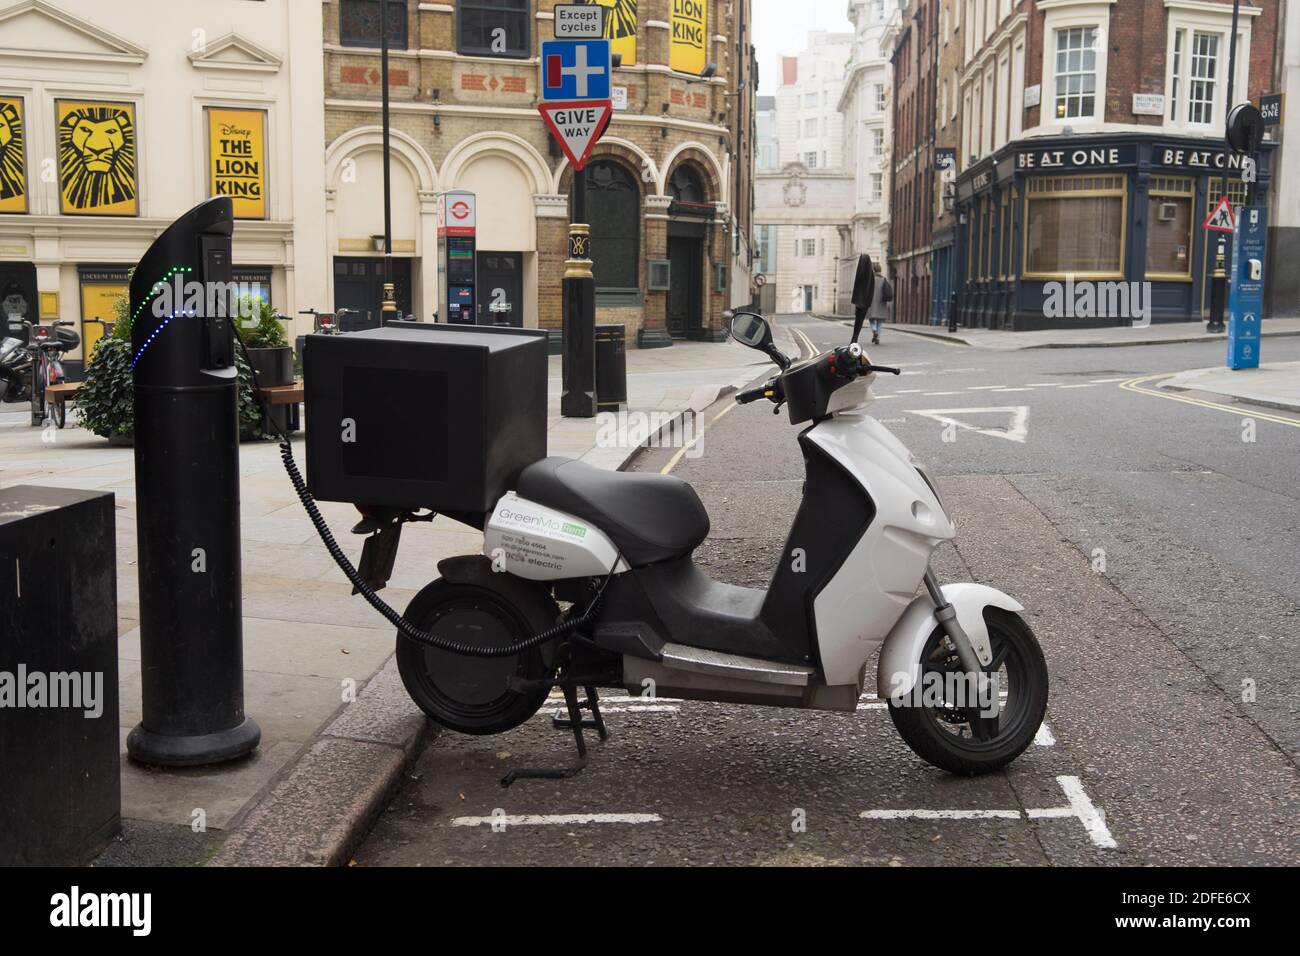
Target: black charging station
187, 497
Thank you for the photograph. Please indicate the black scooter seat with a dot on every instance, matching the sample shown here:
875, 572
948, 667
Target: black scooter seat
649, 517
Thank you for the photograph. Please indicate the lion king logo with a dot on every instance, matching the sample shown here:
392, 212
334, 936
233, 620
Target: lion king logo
97, 159
12, 182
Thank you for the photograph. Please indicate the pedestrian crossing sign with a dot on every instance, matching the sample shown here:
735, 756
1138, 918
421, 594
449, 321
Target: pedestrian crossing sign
1220, 218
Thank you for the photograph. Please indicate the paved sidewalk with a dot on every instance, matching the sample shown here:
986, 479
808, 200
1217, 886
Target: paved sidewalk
325, 765
1273, 384
1159, 334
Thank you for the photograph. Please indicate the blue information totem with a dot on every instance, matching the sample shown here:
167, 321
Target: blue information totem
1246, 292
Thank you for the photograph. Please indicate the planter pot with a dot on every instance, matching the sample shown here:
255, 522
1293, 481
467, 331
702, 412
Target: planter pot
273, 366
121, 441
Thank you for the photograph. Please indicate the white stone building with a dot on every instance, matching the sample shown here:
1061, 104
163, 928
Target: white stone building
801, 204
864, 106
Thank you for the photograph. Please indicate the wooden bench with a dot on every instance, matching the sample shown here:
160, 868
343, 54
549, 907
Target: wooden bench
58, 394
290, 395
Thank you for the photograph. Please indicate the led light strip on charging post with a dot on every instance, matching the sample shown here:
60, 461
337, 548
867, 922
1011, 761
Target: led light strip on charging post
153, 292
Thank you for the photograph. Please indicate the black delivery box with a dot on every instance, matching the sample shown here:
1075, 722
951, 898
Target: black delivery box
424, 415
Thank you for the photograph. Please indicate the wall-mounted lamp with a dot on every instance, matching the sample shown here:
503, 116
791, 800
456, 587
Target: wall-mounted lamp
710, 70
616, 60
437, 121
663, 132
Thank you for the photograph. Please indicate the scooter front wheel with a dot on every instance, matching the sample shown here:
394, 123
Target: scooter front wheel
955, 727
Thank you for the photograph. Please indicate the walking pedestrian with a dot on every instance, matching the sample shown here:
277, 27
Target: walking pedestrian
882, 304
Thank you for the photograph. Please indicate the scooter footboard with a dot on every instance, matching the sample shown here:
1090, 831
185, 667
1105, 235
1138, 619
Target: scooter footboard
900, 655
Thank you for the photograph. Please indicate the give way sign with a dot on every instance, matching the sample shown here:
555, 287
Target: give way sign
576, 126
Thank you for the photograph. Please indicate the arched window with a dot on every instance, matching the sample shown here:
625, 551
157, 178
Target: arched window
614, 212
685, 185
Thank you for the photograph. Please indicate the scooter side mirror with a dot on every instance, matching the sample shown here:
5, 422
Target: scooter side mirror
864, 291
749, 329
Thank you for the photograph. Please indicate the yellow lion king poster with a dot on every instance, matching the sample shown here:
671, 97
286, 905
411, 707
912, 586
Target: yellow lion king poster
237, 158
13, 162
97, 158
620, 27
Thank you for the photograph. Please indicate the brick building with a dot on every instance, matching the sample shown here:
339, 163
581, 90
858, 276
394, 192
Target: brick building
670, 181
1092, 147
947, 142
912, 36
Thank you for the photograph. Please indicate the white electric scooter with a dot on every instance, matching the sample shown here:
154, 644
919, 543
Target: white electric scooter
963, 674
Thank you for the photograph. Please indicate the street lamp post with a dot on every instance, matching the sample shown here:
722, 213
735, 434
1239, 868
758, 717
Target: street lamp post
1218, 284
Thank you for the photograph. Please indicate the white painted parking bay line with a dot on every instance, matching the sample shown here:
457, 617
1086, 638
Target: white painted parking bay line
940, 814
1105, 381
1041, 384
1022, 388
1079, 806
502, 820
1086, 385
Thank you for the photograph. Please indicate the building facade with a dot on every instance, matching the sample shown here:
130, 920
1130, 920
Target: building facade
868, 141
1092, 149
116, 119
669, 184
801, 203
947, 142
914, 36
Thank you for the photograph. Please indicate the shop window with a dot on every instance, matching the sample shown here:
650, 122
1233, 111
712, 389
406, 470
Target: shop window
614, 211
1169, 227
494, 28
1075, 225
684, 185
359, 23
1076, 73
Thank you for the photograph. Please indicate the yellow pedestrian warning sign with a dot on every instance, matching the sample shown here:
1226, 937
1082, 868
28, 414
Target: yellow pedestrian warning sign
1220, 218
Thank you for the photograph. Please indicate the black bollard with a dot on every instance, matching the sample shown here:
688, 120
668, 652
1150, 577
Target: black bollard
187, 497
578, 365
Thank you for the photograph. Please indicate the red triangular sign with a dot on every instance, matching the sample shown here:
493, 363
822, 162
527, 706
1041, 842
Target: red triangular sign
576, 126
1220, 217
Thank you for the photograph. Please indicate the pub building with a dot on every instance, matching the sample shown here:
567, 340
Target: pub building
1105, 208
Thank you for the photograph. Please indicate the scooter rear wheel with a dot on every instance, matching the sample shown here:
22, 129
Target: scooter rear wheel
959, 739
472, 694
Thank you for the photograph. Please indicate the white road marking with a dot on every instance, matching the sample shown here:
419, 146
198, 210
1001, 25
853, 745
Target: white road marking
935, 394
1079, 807
1084, 809
940, 814
1087, 385
554, 819
1105, 381
982, 388
1044, 736
649, 709
907, 391
1017, 429
1021, 388
1041, 384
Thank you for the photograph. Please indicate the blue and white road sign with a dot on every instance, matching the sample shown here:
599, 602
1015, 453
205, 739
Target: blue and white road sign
575, 70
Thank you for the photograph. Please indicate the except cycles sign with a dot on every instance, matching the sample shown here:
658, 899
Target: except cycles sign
579, 21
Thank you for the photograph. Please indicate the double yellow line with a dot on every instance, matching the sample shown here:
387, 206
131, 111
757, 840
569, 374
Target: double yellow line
1139, 385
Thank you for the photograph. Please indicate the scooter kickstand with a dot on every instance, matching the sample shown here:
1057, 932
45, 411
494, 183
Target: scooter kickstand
575, 722
596, 721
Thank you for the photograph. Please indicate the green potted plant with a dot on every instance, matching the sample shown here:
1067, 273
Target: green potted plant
261, 328
269, 353
106, 399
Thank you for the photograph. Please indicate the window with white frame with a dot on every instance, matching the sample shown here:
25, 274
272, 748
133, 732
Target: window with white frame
810, 160
1196, 61
877, 186
877, 141
880, 97
810, 127
1076, 73
1204, 70
809, 248
943, 103
1017, 102
1003, 117
810, 99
